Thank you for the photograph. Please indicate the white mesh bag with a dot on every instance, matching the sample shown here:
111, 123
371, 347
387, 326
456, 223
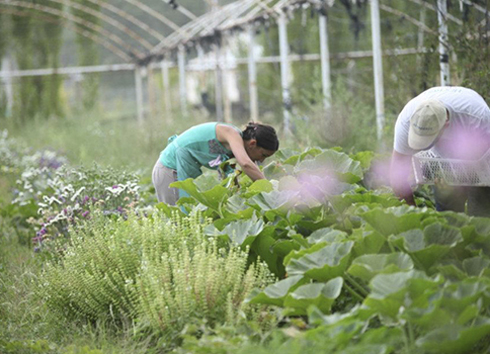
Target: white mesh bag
429, 168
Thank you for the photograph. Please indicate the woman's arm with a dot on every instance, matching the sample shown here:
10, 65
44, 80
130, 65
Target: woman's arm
400, 171
233, 140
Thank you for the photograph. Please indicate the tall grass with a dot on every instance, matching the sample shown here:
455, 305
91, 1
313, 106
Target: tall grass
26, 325
102, 138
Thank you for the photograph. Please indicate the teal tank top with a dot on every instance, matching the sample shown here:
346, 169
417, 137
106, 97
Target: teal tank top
194, 148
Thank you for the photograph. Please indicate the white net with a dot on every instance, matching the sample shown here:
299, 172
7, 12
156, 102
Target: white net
429, 168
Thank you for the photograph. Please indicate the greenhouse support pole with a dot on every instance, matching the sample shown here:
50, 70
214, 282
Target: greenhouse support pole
182, 80
139, 92
166, 90
219, 84
151, 92
378, 67
7, 79
420, 35
225, 78
283, 49
325, 61
443, 35
252, 76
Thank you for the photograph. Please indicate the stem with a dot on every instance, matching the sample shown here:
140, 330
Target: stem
417, 262
406, 339
358, 286
391, 246
409, 329
353, 292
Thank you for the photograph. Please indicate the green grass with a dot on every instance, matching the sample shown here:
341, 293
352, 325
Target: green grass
26, 325
98, 137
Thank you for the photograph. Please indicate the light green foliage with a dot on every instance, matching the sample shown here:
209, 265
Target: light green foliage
156, 268
95, 276
204, 281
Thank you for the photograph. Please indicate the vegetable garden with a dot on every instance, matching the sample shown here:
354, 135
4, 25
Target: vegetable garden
315, 259
321, 257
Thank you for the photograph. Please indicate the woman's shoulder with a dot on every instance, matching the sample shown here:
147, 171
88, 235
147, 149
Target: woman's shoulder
227, 127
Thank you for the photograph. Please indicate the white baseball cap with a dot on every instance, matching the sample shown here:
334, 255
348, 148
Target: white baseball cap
426, 123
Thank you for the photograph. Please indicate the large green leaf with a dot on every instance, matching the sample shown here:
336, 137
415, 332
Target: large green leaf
261, 185
235, 208
276, 293
364, 158
285, 153
263, 246
477, 266
453, 338
281, 248
212, 198
334, 163
320, 295
432, 307
294, 159
307, 249
206, 181
314, 190
340, 328
395, 220
458, 296
240, 232
342, 202
452, 270
326, 235
276, 170
366, 241
388, 292
324, 264
274, 200
479, 239
169, 210
367, 266
430, 245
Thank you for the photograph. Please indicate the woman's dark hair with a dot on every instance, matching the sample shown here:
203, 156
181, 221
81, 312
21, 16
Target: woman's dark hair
264, 134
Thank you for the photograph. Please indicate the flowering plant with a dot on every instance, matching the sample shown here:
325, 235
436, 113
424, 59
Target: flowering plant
72, 193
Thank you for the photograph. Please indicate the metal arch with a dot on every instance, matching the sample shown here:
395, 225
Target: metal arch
182, 10
476, 6
106, 19
76, 19
408, 18
244, 6
205, 24
433, 8
85, 33
247, 4
155, 14
208, 21
255, 14
129, 18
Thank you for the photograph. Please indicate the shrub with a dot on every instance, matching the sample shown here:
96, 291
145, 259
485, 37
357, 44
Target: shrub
69, 195
162, 271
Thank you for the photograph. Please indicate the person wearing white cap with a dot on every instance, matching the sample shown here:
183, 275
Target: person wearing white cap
452, 121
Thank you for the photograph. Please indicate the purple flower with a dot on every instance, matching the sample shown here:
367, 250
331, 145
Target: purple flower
115, 186
40, 233
85, 213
